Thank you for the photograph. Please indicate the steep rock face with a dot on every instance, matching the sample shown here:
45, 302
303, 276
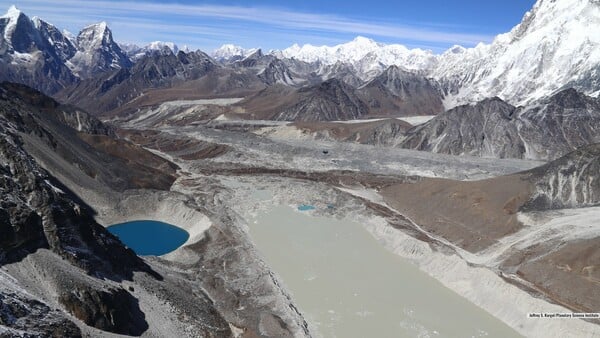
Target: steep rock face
257, 58
67, 115
277, 72
389, 133
37, 54
331, 100
112, 309
272, 70
397, 92
83, 141
572, 181
63, 46
545, 130
98, 52
341, 71
28, 56
559, 124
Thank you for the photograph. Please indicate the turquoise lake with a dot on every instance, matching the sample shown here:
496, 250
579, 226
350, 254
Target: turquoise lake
150, 237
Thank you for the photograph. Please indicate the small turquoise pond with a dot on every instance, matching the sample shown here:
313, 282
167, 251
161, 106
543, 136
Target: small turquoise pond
150, 237
306, 207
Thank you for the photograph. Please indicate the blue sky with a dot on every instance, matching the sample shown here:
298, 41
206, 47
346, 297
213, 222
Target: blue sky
269, 24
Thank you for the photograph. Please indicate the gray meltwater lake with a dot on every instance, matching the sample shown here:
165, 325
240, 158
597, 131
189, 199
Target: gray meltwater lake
347, 285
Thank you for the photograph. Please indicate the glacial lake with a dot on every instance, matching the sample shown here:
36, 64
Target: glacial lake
347, 285
150, 237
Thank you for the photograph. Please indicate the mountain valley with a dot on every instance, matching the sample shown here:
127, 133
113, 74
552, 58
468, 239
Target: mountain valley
478, 166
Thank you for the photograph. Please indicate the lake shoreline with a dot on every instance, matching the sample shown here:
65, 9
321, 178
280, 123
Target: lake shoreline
479, 285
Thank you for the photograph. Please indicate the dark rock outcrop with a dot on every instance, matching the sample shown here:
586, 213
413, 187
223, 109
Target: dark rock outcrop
113, 309
37, 213
21, 316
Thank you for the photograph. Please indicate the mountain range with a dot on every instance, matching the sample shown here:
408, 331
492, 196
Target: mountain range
550, 50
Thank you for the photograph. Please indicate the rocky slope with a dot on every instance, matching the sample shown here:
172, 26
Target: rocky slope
81, 140
397, 92
571, 181
113, 89
64, 271
331, 100
38, 215
494, 128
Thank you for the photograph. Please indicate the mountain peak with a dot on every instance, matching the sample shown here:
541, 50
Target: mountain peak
16, 22
229, 51
364, 41
162, 46
12, 13
101, 25
99, 28
94, 36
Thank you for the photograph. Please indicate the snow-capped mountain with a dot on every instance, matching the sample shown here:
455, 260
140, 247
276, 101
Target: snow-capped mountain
554, 47
19, 34
97, 51
36, 53
229, 52
357, 50
64, 45
33, 52
135, 52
